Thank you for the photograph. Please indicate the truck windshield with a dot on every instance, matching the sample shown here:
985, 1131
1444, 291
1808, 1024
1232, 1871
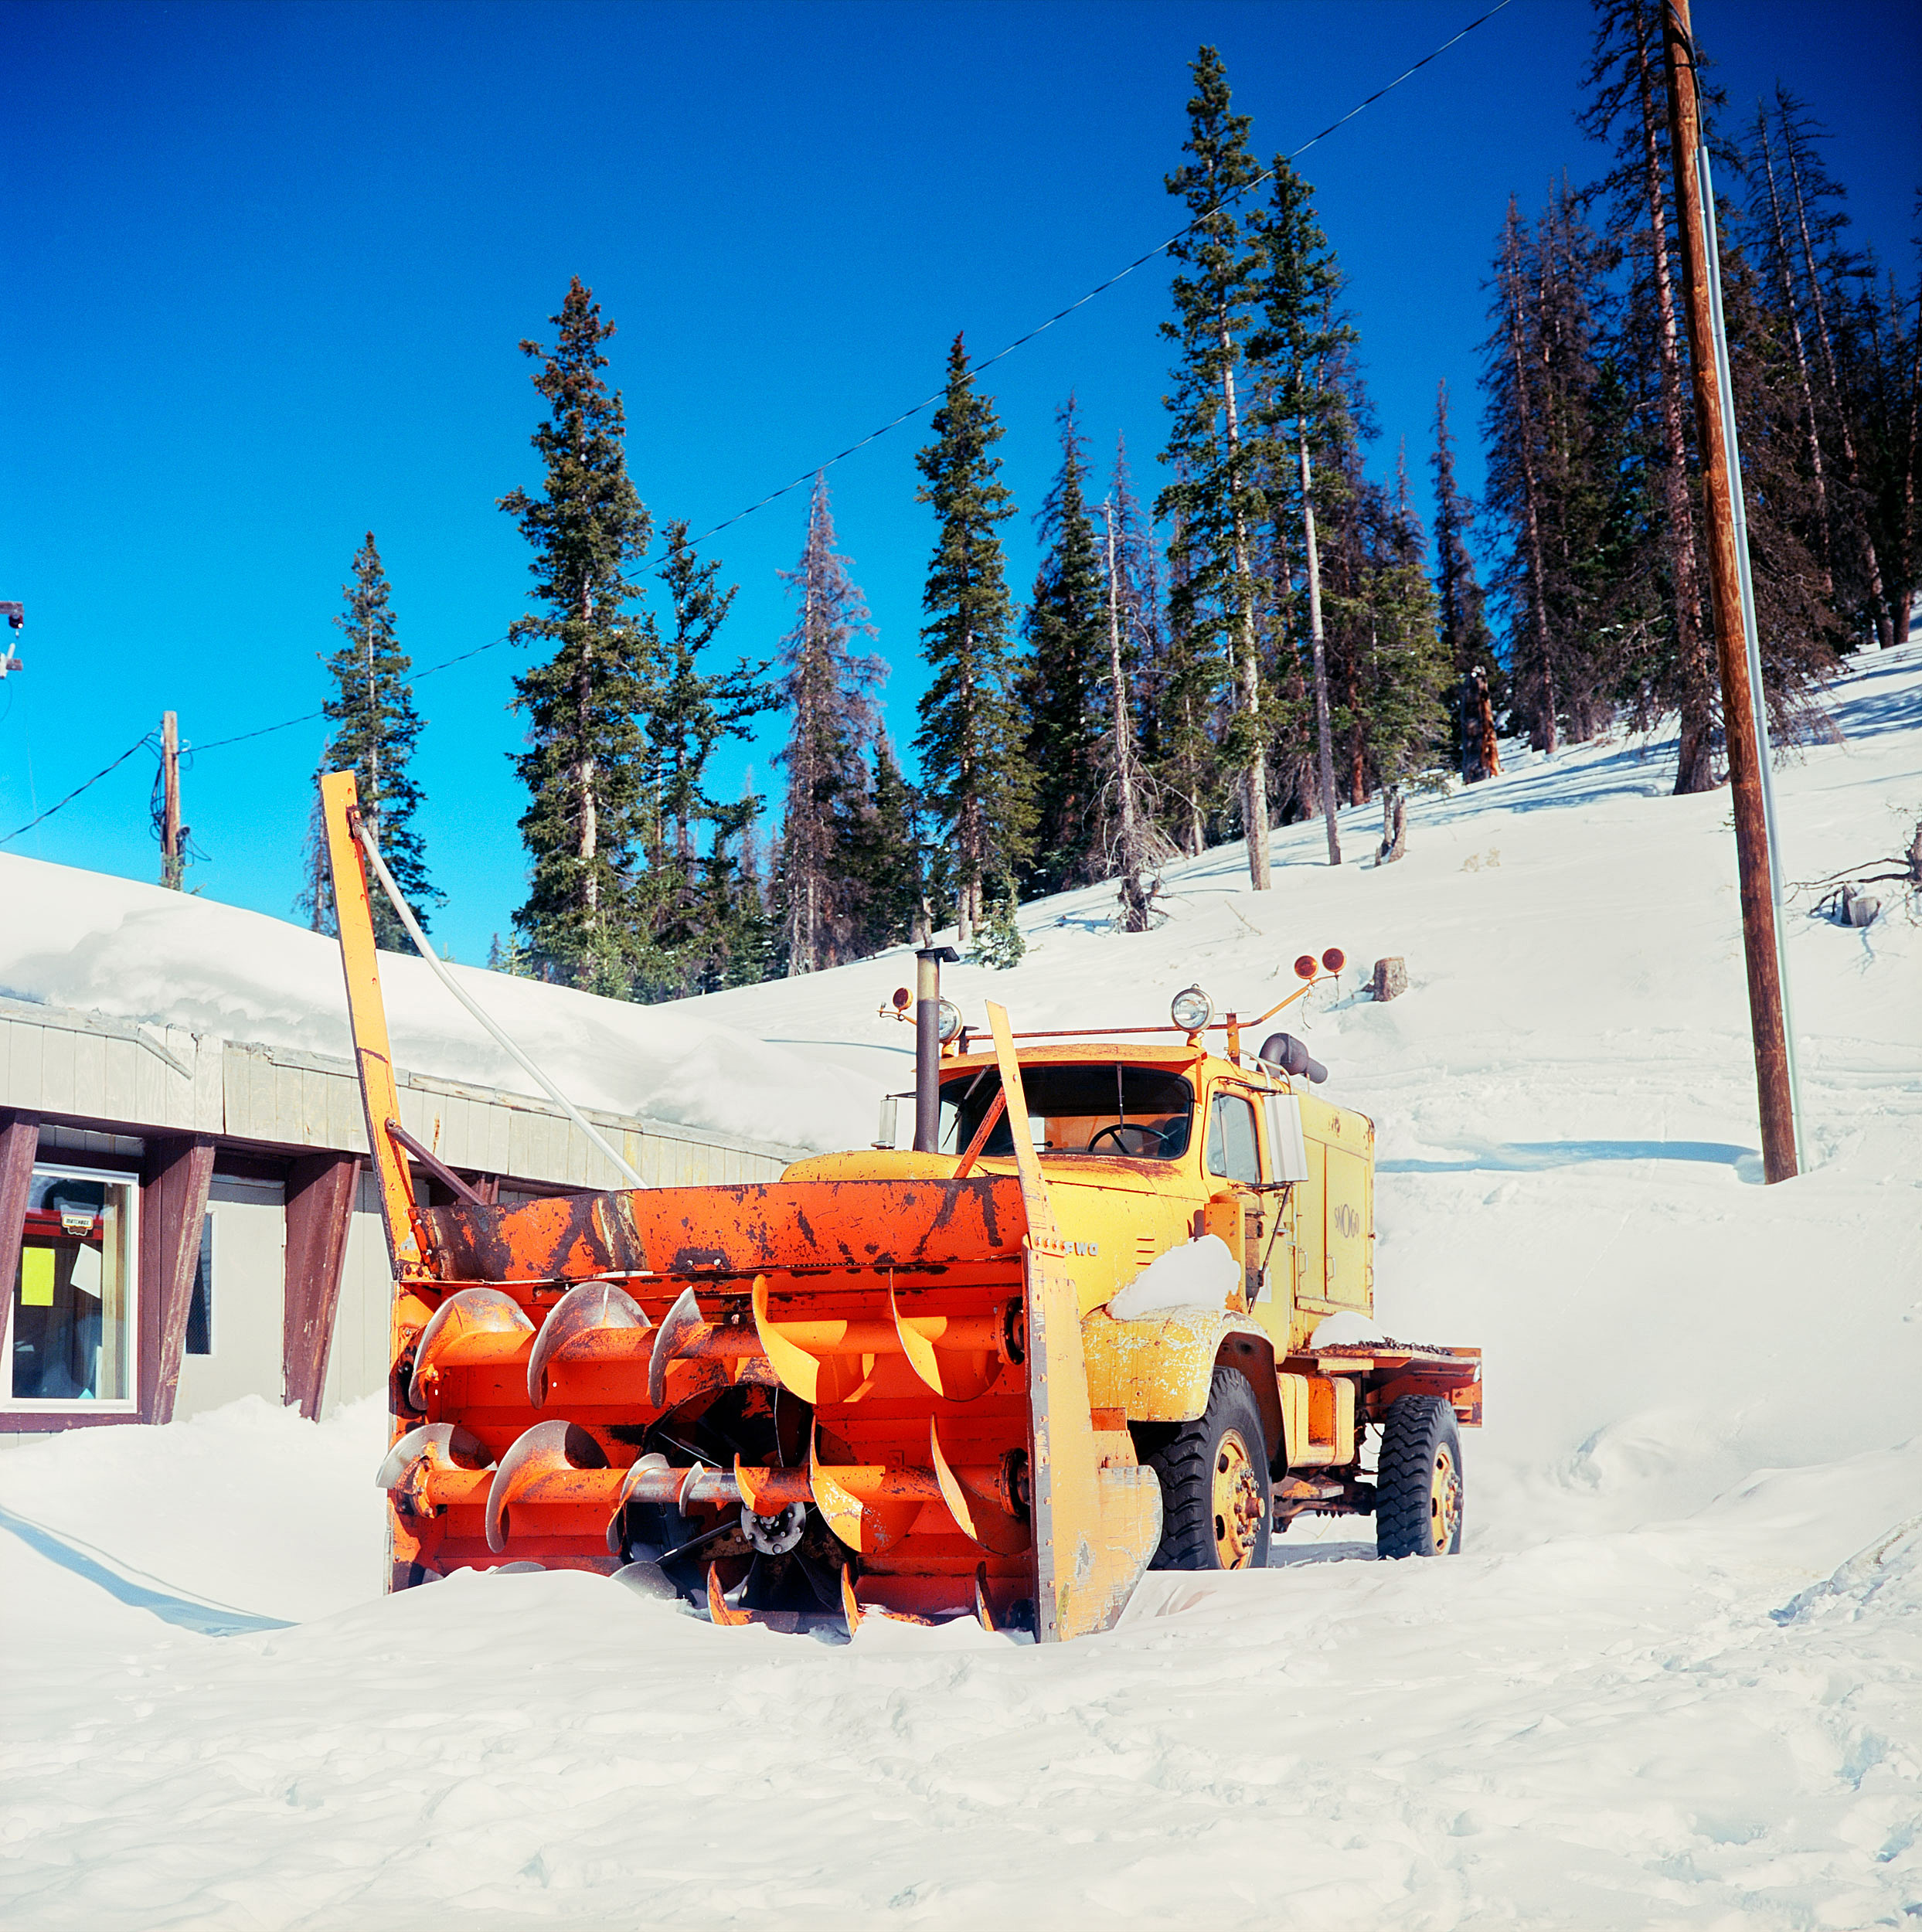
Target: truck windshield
1106, 1108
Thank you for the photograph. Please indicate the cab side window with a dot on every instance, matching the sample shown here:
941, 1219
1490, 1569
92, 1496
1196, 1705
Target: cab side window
1231, 1148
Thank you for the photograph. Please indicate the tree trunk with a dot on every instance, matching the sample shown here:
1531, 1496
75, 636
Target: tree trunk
1134, 895
1801, 353
1318, 646
1878, 604
1542, 736
1255, 781
1695, 770
1394, 826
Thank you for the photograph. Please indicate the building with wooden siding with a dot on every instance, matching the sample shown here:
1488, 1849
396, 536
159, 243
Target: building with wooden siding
190, 1218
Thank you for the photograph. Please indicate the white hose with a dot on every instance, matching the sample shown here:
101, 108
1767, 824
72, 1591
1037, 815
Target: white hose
453, 986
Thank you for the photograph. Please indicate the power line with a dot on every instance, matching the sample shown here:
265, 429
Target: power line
308, 717
1101, 288
144, 743
906, 415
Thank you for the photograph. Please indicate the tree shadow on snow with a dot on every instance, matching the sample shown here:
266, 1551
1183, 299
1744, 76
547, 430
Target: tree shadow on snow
1535, 1157
184, 1613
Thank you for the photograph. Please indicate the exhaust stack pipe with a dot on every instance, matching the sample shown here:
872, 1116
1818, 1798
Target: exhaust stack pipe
928, 1044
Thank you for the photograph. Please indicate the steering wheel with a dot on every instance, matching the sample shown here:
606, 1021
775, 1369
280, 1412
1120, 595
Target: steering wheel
1117, 1128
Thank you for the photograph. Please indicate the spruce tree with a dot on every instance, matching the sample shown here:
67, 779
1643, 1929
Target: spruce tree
1627, 113
1181, 680
584, 704
978, 787
1066, 642
683, 902
1300, 340
886, 863
375, 728
827, 687
1215, 500
1461, 608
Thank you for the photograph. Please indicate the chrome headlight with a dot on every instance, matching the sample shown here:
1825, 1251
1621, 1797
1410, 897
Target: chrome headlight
947, 1022
1191, 1010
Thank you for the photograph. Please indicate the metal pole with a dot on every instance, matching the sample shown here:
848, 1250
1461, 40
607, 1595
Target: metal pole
1774, 1094
927, 1046
1765, 756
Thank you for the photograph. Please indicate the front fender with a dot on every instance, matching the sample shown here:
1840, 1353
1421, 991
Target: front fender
1159, 1368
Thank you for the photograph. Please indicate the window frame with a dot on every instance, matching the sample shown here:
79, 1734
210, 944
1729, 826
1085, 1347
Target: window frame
1250, 1098
127, 1405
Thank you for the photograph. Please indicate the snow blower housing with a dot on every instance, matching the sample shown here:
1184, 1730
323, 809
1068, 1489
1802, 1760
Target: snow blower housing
999, 1375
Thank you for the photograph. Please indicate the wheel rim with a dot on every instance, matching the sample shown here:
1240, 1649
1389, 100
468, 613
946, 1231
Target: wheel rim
1444, 1502
1239, 1506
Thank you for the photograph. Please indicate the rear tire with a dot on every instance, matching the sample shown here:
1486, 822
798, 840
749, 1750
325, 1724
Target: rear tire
1418, 1493
1216, 1506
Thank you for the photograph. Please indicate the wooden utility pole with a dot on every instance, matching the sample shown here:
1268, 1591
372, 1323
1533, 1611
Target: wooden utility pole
1774, 1087
172, 867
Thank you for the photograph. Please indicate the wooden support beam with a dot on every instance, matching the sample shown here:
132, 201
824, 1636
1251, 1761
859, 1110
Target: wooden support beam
320, 1211
19, 1142
173, 1181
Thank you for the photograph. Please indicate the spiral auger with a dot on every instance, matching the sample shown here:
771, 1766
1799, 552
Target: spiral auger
789, 1401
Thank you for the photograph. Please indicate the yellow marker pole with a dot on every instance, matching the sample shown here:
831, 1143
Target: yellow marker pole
373, 1057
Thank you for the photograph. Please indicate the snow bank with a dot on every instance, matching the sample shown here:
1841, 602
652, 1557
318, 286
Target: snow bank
1670, 1682
137, 952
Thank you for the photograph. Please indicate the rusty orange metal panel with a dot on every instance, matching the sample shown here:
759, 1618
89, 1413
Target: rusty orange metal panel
742, 1230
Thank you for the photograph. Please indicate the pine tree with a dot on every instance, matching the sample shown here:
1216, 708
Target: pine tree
1461, 612
886, 863
1300, 342
978, 787
683, 902
1215, 500
1066, 644
1179, 681
1627, 113
1573, 482
1131, 845
584, 704
375, 728
828, 689
1822, 269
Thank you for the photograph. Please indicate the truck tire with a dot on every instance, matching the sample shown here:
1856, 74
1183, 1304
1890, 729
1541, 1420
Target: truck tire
1216, 1506
1418, 1486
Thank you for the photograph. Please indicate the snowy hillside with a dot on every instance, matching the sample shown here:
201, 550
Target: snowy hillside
1673, 1680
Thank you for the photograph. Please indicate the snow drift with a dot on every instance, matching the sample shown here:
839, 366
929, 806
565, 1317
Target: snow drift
1670, 1682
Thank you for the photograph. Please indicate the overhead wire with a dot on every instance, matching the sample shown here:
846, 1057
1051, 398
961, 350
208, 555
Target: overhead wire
145, 741
906, 415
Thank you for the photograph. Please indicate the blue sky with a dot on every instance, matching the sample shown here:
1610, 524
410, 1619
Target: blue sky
267, 266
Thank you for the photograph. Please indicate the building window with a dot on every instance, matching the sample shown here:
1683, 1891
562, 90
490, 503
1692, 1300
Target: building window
200, 1309
69, 1338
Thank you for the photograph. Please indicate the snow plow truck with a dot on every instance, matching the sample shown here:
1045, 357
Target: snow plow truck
1066, 1335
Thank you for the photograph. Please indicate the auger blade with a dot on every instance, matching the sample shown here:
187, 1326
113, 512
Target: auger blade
593, 1309
647, 1580
982, 1514
459, 1319
719, 1610
446, 1447
682, 1319
538, 1469
957, 1358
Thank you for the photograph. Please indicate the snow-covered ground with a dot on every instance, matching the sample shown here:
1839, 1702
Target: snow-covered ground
1675, 1679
